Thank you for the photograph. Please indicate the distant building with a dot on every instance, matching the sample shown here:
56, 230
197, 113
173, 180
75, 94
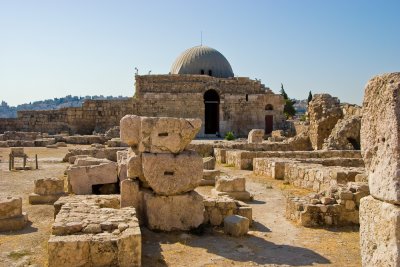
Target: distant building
201, 84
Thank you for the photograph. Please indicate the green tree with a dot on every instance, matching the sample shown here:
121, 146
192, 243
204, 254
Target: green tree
288, 109
309, 97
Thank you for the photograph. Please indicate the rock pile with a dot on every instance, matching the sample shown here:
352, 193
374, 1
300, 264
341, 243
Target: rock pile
337, 206
161, 173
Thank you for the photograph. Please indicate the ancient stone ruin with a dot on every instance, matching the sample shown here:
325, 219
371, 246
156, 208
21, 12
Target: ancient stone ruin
11, 215
161, 173
380, 212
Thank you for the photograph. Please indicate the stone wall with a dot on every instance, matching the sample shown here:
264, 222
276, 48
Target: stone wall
242, 107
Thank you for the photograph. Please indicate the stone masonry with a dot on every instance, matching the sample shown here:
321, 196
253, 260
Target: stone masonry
380, 143
47, 191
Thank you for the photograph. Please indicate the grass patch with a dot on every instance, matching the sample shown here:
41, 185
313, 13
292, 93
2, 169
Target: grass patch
16, 255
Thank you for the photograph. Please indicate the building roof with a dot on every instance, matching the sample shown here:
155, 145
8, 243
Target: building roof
202, 60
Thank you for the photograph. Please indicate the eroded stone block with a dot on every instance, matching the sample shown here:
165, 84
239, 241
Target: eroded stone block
168, 213
169, 174
255, 136
236, 225
380, 140
130, 129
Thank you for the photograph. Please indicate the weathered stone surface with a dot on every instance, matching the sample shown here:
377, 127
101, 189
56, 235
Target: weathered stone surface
109, 153
85, 139
236, 225
324, 111
88, 161
379, 233
10, 206
380, 140
49, 186
130, 195
230, 184
167, 135
256, 136
209, 163
169, 174
345, 135
43, 199
130, 129
82, 178
86, 234
134, 166
168, 213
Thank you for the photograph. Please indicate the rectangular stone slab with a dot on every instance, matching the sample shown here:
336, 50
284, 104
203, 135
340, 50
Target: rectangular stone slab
379, 233
14, 223
380, 140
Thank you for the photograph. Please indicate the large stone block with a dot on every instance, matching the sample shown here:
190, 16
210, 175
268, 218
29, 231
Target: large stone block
256, 136
379, 233
82, 178
10, 206
14, 223
49, 186
130, 193
167, 135
134, 166
230, 184
209, 163
236, 225
169, 213
380, 136
130, 129
169, 174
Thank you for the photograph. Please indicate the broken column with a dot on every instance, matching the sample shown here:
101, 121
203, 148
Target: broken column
161, 173
380, 144
11, 215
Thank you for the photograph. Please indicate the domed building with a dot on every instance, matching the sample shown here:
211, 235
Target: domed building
200, 84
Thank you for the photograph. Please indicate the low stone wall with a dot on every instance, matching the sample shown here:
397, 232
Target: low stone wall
337, 206
244, 159
274, 168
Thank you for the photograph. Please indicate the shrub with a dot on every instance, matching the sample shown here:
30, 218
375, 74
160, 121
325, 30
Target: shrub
230, 136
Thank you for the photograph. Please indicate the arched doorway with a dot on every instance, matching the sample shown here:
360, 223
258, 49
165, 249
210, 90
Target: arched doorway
211, 112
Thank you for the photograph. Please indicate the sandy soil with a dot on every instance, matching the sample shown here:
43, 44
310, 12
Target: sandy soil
272, 241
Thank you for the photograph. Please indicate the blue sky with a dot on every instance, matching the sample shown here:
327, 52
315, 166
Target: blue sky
54, 48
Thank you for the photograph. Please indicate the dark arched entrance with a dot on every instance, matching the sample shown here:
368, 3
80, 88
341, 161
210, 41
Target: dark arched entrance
211, 112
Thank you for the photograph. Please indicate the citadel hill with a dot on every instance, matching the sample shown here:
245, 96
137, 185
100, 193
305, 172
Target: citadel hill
201, 84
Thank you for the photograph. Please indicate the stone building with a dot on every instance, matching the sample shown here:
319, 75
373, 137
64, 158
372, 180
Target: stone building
201, 84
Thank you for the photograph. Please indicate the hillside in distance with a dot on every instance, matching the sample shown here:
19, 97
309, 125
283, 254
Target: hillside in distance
7, 111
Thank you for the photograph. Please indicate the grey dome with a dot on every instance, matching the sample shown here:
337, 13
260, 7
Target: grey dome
202, 60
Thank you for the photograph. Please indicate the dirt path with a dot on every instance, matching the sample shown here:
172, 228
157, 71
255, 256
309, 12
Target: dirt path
272, 241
